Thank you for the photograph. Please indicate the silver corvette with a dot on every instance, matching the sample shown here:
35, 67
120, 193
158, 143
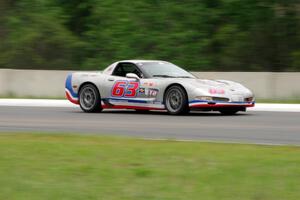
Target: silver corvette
154, 85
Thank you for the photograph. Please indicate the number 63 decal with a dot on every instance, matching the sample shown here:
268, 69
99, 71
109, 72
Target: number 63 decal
125, 88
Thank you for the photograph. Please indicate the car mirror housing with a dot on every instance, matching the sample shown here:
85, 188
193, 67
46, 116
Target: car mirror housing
132, 75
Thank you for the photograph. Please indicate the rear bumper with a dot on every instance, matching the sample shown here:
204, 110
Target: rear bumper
214, 105
71, 98
70, 94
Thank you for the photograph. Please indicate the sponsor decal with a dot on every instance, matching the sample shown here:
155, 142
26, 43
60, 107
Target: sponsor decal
148, 84
142, 90
152, 92
216, 91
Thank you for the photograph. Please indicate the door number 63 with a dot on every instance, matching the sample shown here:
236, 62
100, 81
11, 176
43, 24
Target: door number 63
125, 88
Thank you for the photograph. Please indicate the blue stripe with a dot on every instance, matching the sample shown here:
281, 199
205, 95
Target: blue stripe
240, 102
137, 101
69, 86
127, 100
199, 101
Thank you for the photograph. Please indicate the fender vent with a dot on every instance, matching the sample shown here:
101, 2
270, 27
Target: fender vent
249, 99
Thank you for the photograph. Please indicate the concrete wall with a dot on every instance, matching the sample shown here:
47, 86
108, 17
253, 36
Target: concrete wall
32, 83
48, 83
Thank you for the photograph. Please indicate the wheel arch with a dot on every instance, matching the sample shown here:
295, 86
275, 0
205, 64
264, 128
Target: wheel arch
174, 84
88, 83
97, 106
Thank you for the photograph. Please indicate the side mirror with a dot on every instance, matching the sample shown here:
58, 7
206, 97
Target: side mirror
132, 75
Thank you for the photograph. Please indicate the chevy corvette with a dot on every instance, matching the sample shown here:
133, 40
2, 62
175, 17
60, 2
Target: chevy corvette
145, 85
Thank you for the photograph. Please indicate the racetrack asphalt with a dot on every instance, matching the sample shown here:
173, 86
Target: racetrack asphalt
249, 127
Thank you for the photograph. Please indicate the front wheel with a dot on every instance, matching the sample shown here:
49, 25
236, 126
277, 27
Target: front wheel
89, 99
176, 100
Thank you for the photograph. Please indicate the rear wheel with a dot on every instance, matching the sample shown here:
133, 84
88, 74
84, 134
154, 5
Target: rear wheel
176, 100
89, 99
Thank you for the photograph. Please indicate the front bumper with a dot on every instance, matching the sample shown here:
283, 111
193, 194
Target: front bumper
216, 104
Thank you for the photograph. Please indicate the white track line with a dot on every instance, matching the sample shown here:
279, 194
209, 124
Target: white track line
276, 107
66, 103
36, 103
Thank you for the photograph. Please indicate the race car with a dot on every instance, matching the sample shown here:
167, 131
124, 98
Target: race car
145, 85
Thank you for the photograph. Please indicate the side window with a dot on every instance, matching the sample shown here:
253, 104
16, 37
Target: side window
123, 68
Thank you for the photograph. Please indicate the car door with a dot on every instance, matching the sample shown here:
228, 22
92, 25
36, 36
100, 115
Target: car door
120, 89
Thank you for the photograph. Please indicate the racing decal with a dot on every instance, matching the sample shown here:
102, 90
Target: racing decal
148, 84
152, 92
216, 91
118, 89
132, 89
125, 89
70, 94
142, 90
148, 92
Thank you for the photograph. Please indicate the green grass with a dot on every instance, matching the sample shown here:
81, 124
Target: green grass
40, 166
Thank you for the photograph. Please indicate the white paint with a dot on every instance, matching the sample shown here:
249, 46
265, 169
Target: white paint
66, 103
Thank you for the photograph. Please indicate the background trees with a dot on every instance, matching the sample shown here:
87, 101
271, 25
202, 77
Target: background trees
224, 35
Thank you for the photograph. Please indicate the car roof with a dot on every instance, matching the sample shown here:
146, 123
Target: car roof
141, 61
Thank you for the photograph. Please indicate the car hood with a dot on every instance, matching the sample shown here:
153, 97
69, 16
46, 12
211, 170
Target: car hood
229, 87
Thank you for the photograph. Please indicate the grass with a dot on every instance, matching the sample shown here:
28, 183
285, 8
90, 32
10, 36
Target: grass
41, 166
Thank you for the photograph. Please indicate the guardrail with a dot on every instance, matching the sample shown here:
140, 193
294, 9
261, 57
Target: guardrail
50, 83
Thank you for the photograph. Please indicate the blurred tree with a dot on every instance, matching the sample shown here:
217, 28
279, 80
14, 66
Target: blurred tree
37, 38
224, 35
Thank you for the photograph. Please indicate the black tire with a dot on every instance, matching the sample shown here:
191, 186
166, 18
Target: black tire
176, 100
89, 99
229, 111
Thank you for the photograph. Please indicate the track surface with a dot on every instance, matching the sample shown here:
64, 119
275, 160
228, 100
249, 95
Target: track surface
249, 127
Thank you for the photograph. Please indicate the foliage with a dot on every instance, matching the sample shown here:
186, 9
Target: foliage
224, 35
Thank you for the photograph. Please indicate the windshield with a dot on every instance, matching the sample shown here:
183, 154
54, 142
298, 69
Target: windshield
164, 69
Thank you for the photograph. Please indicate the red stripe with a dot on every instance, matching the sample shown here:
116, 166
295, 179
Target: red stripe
220, 105
71, 99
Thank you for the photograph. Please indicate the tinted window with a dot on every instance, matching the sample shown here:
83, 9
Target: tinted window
164, 69
124, 68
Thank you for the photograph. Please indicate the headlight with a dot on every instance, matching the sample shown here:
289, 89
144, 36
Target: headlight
203, 98
219, 99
